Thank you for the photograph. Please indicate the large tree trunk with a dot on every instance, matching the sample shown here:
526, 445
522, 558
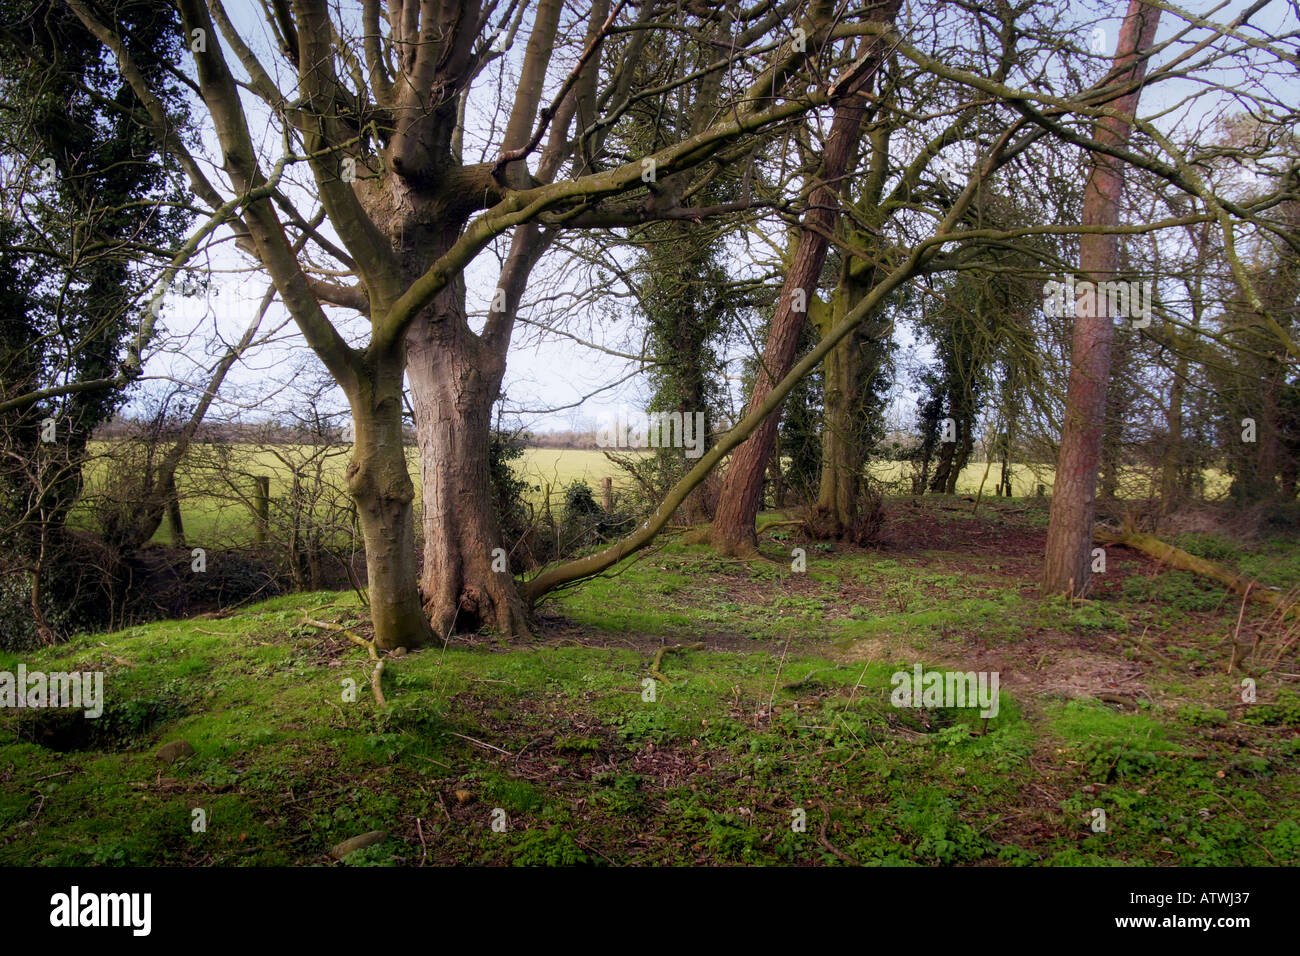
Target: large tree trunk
455, 375
381, 486
1067, 562
453, 386
965, 445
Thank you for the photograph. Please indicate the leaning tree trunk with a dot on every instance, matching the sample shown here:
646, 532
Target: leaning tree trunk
453, 386
381, 486
1067, 561
733, 530
742, 488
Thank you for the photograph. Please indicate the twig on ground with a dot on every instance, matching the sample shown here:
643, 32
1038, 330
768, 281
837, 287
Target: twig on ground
821, 838
481, 743
666, 649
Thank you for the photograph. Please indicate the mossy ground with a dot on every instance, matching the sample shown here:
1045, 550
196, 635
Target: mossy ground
1122, 704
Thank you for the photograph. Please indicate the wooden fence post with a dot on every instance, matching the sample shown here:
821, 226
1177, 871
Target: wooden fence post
262, 505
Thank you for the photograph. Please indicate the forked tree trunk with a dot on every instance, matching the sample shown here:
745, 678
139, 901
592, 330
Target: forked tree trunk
381, 486
848, 367
1067, 562
943, 468
837, 493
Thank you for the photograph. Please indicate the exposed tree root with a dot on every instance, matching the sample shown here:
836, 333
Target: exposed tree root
825, 842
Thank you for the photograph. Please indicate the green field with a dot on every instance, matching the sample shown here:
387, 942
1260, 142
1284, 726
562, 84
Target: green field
217, 482
217, 489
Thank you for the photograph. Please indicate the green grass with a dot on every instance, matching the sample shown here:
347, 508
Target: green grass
786, 718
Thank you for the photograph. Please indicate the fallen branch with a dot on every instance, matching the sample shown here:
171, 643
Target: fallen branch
481, 743
376, 675
659, 658
1175, 557
778, 523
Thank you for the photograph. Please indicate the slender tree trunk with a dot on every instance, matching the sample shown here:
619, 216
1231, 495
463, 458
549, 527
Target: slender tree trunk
380, 484
1268, 441
1067, 562
1118, 401
919, 482
174, 516
1171, 464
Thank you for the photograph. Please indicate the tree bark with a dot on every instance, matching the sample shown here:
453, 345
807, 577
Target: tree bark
841, 475
1067, 561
